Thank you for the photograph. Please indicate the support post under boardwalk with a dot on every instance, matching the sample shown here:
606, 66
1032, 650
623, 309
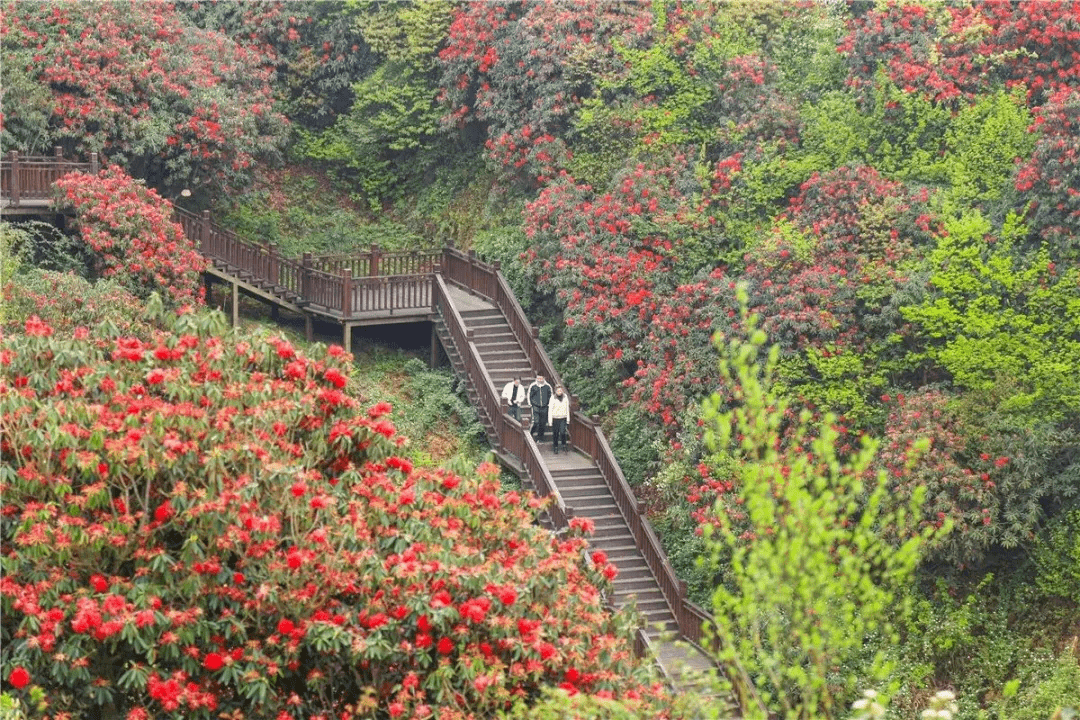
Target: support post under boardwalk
347, 332
208, 282
434, 362
235, 304
309, 330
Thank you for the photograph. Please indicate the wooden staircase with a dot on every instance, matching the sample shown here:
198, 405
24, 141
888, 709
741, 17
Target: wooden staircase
577, 477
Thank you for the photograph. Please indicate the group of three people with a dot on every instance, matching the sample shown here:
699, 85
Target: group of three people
549, 407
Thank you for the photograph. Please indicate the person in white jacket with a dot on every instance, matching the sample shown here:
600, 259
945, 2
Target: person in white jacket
559, 418
515, 396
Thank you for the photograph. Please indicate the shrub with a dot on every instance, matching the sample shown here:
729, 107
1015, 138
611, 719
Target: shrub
129, 232
1057, 556
198, 525
66, 301
818, 579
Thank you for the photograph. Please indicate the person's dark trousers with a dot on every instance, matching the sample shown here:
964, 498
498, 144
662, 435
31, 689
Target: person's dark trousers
539, 424
558, 433
515, 412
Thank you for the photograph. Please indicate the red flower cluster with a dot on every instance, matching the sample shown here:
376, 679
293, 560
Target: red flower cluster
157, 526
130, 230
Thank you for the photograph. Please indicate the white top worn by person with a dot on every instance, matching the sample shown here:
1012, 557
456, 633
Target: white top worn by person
521, 399
559, 408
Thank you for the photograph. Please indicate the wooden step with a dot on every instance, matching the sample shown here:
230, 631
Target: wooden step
487, 331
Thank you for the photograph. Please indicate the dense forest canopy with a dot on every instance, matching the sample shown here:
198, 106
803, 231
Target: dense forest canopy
896, 185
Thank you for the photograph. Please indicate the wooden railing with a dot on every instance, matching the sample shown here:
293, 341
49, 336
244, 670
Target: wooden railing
378, 262
338, 285
32, 177
585, 434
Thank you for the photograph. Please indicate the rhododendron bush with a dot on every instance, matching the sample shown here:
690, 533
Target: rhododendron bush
522, 69
129, 231
205, 526
181, 107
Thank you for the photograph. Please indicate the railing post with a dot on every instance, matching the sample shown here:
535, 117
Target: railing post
373, 261
93, 163
469, 271
272, 270
434, 292
15, 189
204, 233
305, 283
58, 164
346, 294
534, 355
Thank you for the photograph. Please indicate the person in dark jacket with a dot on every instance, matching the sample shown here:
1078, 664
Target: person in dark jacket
539, 394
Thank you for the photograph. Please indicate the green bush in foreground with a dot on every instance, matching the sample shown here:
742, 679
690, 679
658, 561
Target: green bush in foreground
816, 585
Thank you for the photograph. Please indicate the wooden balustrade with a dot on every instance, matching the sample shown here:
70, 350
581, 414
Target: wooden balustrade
585, 434
31, 177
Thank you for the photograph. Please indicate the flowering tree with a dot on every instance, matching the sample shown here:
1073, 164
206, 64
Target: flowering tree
314, 50
522, 69
1050, 179
180, 107
196, 526
952, 52
129, 231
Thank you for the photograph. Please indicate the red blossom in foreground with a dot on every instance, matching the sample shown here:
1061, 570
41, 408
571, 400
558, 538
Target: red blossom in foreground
19, 678
191, 557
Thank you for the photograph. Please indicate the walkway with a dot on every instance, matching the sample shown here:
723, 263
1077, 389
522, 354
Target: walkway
576, 479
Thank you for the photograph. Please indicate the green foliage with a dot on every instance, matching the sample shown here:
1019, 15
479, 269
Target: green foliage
437, 399
1056, 687
1057, 557
635, 450
982, 640
300, 211
815, 577
505, 244
834, 133
900, 134
995, 315
43, 246
558, 704
394, 119
67, 301
983, 143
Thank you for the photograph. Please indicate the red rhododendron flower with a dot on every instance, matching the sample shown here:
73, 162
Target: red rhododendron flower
99, 583
19, 678
213, 661
446, 646
163, 511
285, 626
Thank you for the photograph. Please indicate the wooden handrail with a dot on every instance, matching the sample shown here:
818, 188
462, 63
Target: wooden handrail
486, 280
